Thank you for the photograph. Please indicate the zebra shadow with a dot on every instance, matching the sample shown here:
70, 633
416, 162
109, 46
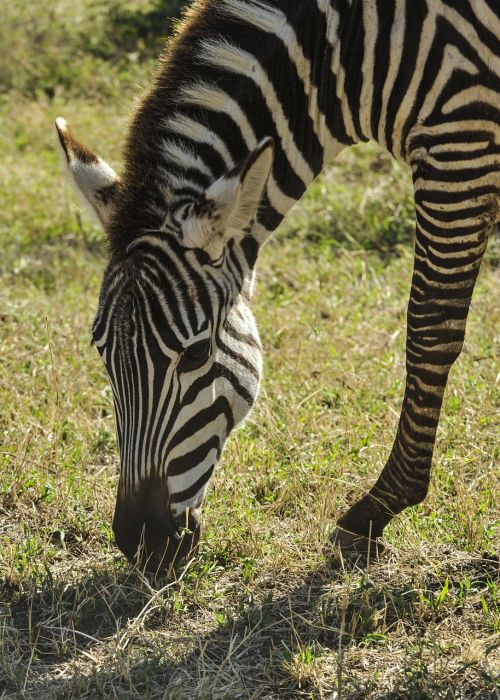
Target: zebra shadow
130, 641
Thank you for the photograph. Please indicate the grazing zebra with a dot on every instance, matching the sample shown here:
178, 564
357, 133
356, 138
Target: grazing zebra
251, 100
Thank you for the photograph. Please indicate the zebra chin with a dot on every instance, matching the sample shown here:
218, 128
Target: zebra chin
148, 533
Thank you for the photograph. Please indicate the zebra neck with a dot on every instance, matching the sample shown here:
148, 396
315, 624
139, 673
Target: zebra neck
238, 71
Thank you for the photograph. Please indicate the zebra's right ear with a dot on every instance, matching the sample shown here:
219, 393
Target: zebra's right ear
237, 194
95, 181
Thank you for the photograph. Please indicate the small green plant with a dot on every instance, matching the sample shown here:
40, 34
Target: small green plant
490, 603
435, 600
375, 638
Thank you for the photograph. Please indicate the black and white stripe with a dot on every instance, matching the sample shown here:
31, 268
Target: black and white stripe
422, 77
173, 416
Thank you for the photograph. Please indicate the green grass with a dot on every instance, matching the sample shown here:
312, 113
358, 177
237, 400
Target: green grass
94, 49
260, 611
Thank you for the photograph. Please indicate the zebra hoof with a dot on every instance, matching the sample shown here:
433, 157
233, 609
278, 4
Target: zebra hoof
354, 543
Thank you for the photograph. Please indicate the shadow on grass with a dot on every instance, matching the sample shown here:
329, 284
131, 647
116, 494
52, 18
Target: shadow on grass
109, 635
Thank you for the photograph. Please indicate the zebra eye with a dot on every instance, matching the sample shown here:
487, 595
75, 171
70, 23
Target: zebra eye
195, 355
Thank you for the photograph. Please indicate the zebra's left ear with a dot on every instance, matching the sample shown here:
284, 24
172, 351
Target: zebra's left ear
95, 181
236, 196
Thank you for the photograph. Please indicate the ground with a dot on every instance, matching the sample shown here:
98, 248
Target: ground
264, 609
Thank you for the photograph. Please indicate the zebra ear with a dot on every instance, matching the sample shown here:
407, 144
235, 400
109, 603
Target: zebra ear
94, 180
236, 196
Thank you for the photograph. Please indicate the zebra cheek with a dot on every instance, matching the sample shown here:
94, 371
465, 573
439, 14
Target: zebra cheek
241, 407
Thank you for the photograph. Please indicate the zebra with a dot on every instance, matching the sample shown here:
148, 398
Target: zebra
251, 100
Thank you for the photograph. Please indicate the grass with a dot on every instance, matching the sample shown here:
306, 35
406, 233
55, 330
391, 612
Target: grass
261, 611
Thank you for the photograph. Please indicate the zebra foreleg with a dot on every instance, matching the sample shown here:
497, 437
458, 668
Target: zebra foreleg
448, 255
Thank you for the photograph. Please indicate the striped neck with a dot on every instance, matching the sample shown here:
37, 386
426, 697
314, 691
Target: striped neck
239, 71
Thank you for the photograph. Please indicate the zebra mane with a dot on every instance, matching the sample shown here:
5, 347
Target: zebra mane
160, 153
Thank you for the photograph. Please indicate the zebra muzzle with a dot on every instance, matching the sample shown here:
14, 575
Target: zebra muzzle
147, 532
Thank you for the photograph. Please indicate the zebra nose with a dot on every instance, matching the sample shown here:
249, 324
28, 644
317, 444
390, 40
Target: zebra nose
148, 534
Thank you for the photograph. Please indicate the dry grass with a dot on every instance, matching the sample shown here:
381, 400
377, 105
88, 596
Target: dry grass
263, 610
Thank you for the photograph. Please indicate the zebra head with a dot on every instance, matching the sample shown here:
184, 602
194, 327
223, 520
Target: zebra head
179, 342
